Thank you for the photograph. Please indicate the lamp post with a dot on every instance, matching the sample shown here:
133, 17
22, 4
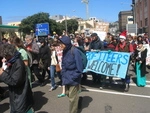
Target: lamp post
87, 8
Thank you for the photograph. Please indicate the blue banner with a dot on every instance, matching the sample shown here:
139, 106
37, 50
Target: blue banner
110, 64
42, 29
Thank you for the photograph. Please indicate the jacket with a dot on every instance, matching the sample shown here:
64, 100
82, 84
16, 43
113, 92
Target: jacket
72, 66
45, 54
15, 76
96, 44
35, 52
143, 59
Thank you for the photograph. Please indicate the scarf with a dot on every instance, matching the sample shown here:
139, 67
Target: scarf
141, 49
13, 59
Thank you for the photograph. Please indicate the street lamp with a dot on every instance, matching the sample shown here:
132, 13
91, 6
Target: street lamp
133, 11
87, 9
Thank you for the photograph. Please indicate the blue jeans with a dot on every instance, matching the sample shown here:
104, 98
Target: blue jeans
52, 74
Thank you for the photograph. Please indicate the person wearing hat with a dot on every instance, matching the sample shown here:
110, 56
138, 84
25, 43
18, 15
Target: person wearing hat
124, 46
71, 72
140, 64
96, 43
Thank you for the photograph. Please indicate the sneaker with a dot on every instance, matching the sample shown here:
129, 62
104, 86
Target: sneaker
61, 95
52, 88
101, 88
42, 84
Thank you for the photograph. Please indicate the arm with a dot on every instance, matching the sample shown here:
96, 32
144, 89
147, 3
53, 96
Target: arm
144, 55
15, 78
78, 60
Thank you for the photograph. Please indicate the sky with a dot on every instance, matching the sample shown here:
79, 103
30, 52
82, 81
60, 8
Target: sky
107, 10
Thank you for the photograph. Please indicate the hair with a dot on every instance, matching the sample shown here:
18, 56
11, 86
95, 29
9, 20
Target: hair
18, 42
55, 43
10, 39
139, 37
7, 50
29, 37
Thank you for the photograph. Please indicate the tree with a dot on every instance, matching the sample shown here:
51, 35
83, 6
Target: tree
72, 25
29, 23
55, 26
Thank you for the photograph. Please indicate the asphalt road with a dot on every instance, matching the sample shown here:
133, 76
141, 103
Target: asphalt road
108, 100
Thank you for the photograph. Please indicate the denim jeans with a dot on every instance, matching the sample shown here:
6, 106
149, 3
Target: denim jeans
52, 74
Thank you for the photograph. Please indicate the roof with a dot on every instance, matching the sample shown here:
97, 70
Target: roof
9, 27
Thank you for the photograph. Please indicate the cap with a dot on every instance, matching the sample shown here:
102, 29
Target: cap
93, 34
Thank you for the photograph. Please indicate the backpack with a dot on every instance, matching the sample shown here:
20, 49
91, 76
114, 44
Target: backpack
83, 55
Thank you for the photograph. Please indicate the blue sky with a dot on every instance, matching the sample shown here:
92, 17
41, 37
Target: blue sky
16, 10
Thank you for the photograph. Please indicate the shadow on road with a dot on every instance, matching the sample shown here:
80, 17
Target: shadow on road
84, 103
115, 87
39, 101
134, 79
4, 107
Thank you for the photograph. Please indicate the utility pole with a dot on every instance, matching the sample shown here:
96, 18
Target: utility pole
87, 8
66, 26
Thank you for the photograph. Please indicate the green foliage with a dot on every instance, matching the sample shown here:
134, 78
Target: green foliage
29, 23
72, 25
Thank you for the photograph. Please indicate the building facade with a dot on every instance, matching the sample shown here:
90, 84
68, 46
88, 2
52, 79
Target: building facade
123, 15
93, 24
142, 15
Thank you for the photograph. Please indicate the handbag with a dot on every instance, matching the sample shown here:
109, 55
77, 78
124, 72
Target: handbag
58, 68
41, 65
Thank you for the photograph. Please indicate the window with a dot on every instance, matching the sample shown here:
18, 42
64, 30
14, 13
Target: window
145, 1
146, 21
141, 23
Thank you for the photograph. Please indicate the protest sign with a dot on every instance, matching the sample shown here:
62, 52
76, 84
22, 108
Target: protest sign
109, 64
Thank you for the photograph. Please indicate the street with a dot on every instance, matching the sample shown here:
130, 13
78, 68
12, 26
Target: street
94, 100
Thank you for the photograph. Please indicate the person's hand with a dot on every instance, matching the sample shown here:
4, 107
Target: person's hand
48, 68
140, 62
131, 53
3, 60
29, 49
1, 71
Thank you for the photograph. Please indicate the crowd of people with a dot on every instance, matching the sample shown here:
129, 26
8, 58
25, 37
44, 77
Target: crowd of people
21, 60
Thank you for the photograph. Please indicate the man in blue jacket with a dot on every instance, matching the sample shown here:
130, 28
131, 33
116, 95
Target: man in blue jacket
72, 68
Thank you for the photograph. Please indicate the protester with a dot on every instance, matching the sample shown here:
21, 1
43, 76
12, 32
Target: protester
140, 38
45, 57
146, 38
95, 45
72, 68
59, 52
33, 48
109, 47
124, 46
15, 76
24, 56
54, 62
86, 44
4, 41
140, 56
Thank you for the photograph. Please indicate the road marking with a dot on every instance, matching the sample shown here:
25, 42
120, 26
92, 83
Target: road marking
147, 81
131, 84
117, 93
